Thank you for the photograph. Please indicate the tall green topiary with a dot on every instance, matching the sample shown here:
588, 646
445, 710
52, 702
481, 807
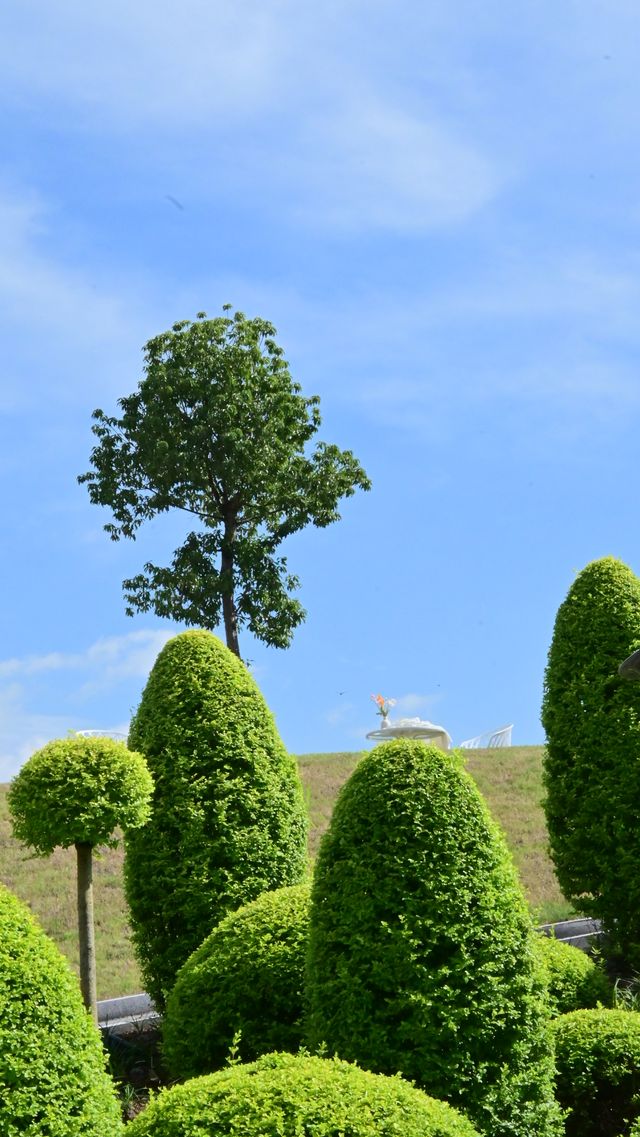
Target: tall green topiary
53, 1081
246, 977
294, 1096
592, 769
228, 819
421, 955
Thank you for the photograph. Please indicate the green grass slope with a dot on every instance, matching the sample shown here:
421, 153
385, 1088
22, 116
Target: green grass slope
510, 779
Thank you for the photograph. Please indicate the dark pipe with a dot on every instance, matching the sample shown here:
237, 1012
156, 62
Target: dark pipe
630, 668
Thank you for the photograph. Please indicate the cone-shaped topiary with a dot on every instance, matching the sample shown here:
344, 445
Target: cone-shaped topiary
421, 955
246, 977
598, 1065
291, 1095
592, 774
574, 980
228, 819
53, 1081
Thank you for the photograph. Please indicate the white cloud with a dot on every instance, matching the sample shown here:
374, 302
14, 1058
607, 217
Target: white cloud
412, 704
22, 732
373, 164
111, 659
109, 664
339, 714
147, 62
39, 291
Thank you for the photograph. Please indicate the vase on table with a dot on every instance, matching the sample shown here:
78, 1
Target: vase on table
384, 722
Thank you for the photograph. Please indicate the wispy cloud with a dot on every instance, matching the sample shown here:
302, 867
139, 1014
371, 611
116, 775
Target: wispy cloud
412, 703
39, 290
340, 714
108, 665
376, 164
110, 659
130, 65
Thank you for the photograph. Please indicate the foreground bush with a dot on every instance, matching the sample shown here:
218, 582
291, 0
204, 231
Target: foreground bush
598, 1064
574, 979
53, 1081
592, 775
292, 1096
228, 819
247, 976
422, 956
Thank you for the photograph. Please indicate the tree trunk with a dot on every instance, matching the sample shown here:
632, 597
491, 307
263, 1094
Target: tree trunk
228, 603
86, 933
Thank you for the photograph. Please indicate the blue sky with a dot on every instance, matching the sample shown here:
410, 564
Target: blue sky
438, 206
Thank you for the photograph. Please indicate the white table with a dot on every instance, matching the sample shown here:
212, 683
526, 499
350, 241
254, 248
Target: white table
413, 728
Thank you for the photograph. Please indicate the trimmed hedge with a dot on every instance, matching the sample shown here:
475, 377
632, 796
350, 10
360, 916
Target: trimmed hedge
591, 771
288, 1095
422, 956
78, 790
228, 820
247, 976
574, 979
53, 1081
598, 1064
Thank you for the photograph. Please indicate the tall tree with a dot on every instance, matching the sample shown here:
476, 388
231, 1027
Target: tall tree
218, 429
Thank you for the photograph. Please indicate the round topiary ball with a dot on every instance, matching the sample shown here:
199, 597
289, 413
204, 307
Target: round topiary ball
421, 951
229, 820
246, 977
79, 790
53, 1081
290, 1095
598, 1071
574, 979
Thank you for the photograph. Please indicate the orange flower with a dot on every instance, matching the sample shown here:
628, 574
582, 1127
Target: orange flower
383, 704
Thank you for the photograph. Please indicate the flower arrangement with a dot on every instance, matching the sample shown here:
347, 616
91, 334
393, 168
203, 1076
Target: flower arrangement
383, 705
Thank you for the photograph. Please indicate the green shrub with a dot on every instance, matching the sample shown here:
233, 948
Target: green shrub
592, 775
574, 979
53, 1081
422, 956
78, 790
288, 1096
228, 819
75, 791
598, 1064
247, 976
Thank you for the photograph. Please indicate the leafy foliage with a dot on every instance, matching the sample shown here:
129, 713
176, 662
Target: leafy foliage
574, 980
53, 1081
290, 1095
422, 956
246, 977
592, 774
598, 1064
218, 429
77, 790
228, 819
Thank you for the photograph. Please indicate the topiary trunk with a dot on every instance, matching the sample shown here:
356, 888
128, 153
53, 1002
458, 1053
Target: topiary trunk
86, 931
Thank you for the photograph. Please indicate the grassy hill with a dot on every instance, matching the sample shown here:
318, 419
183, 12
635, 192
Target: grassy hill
510, 779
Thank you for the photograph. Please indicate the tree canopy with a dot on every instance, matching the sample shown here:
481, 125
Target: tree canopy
219, 430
